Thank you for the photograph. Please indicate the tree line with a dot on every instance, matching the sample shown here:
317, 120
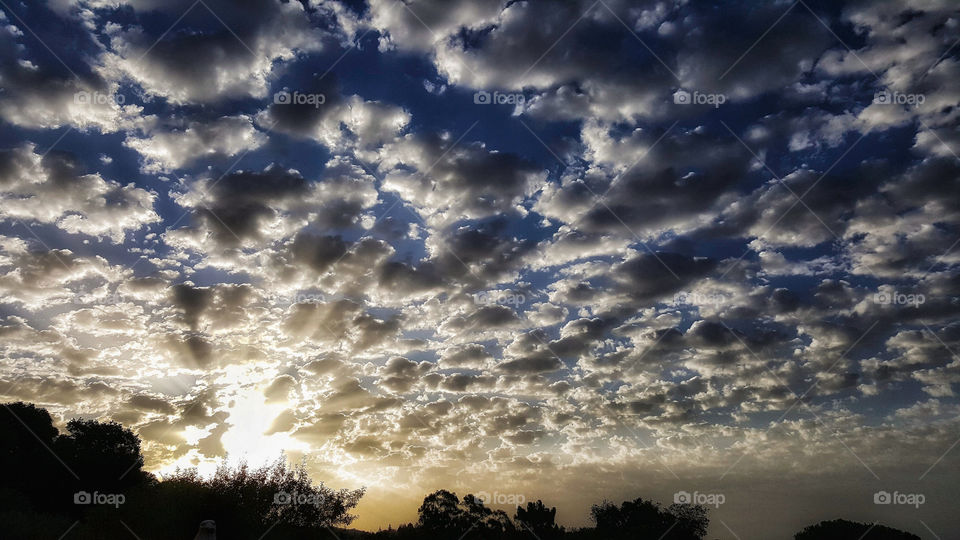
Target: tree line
89, 484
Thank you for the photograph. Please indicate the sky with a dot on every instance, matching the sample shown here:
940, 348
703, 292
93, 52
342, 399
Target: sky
569, 250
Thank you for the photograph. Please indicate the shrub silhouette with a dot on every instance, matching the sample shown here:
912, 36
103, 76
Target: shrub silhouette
838, 529
443, 515
642, 519
245, 502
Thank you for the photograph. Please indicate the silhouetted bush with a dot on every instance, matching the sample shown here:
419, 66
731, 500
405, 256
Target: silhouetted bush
841, 529
443, 515
245, 502
643, 519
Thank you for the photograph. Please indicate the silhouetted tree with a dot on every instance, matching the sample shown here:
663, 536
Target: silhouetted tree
105, 455
692, 520
642, 519
242, 500
34, 486
38, 470
539, 520
27, 462
841, 529
442, 514
485, 522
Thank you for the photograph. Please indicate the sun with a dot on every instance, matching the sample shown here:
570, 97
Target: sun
246, 437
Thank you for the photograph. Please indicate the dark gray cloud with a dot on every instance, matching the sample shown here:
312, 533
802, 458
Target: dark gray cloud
650, 276
242, 201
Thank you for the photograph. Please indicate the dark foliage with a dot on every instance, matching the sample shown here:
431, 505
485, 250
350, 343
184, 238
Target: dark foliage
838, 529
536, 518
642, 519
444, 515
90, 481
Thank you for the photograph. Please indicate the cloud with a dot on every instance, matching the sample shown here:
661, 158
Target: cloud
52, 189
262, 209
232, 52
448, 180
164, 151
342, 123
38, 93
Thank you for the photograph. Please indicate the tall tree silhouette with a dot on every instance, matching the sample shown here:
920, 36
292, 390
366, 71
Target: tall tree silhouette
105, 455
28, 465
536, 518
442, 514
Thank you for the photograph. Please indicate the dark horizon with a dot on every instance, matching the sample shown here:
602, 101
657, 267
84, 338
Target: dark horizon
91, 477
